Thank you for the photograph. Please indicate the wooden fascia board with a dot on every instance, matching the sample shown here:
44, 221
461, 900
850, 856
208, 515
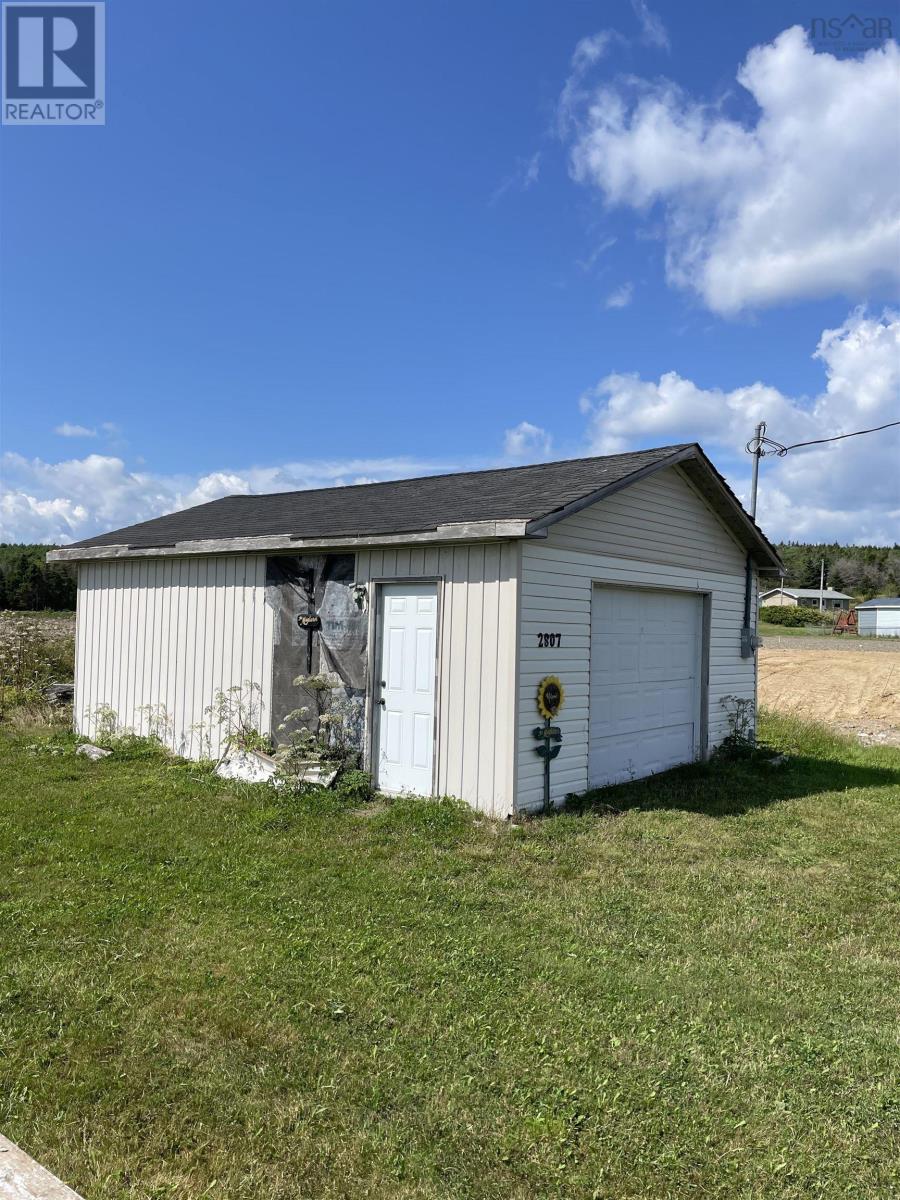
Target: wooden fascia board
470, 531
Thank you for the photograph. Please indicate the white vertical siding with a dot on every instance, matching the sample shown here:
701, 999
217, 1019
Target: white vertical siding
476, 672
866, 622
878, 622
163, 635
658, 533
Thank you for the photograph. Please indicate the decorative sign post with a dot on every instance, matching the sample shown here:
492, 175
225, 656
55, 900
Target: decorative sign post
550, 699
310, 622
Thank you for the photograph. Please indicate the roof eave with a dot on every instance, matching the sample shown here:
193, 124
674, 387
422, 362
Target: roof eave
468, 531
698, 468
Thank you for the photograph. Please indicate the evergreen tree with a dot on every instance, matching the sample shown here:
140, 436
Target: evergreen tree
28, 582
861, 571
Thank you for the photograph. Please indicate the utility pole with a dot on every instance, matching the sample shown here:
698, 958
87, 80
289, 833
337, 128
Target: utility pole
749, 639
822, 587
757, 455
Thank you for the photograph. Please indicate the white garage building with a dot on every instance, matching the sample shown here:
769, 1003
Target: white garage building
436, 606
879, 617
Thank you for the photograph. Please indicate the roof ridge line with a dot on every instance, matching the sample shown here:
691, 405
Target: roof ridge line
553, 462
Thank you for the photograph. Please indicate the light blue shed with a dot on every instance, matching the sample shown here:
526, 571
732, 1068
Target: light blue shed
879, 617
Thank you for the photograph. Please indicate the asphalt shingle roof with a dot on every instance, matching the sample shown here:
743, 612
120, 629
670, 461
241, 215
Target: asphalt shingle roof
401, 506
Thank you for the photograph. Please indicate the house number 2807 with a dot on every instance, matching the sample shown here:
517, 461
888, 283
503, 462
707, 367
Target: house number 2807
549, 640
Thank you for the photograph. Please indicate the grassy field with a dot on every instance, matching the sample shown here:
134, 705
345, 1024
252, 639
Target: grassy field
208, 991
36, 648
765, 629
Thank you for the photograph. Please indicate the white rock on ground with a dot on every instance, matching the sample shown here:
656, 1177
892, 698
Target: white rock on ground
92, 752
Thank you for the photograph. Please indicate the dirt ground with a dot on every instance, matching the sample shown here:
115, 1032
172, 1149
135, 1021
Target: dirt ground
854, 693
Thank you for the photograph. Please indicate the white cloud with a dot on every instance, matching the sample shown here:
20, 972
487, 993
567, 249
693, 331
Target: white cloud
590, 50
653, 31
525, 176
24, 518
65, 501
590, 260
621, 297
527, 441
800, 201
587, 53
847, 490
214, 487
74, 431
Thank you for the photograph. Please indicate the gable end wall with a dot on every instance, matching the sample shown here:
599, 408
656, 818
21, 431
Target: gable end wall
658, 533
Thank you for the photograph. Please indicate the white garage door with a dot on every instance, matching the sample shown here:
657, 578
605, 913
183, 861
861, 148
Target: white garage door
645, 682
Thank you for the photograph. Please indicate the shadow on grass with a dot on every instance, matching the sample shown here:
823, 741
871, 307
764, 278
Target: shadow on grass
722, 788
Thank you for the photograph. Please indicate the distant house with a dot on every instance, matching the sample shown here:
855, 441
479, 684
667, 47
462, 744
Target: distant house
879, 617
805, 597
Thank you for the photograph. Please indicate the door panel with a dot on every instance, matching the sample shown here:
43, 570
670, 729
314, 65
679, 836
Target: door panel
405, 721
646, 656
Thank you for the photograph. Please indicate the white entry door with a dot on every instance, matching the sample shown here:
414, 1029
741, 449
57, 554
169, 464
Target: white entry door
405, 688
646, 659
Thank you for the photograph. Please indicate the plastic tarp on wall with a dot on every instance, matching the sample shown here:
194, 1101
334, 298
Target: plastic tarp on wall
321, 629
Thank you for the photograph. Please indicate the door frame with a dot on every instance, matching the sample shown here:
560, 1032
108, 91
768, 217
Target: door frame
701, 739
376, 587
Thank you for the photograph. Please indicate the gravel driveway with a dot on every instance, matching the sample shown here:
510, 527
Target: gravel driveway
832, 642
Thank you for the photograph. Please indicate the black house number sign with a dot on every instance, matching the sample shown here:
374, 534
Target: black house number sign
549, 641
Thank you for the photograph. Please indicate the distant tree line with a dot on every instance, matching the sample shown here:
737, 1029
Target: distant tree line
28, 582
860, 571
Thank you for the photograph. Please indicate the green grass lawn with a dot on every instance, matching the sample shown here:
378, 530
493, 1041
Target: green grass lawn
208, 991
765, 629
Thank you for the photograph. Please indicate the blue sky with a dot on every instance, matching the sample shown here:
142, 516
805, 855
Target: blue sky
320, 242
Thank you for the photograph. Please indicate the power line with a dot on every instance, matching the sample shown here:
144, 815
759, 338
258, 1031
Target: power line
763, 446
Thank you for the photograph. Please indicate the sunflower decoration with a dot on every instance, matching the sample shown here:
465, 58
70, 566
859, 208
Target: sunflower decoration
551, 696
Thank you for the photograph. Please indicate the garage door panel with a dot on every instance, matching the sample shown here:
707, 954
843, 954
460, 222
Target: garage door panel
649, 708
624, 660
636, 755
601, 711
624, 712
653, 659
682, 655
677, 698
644, 682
